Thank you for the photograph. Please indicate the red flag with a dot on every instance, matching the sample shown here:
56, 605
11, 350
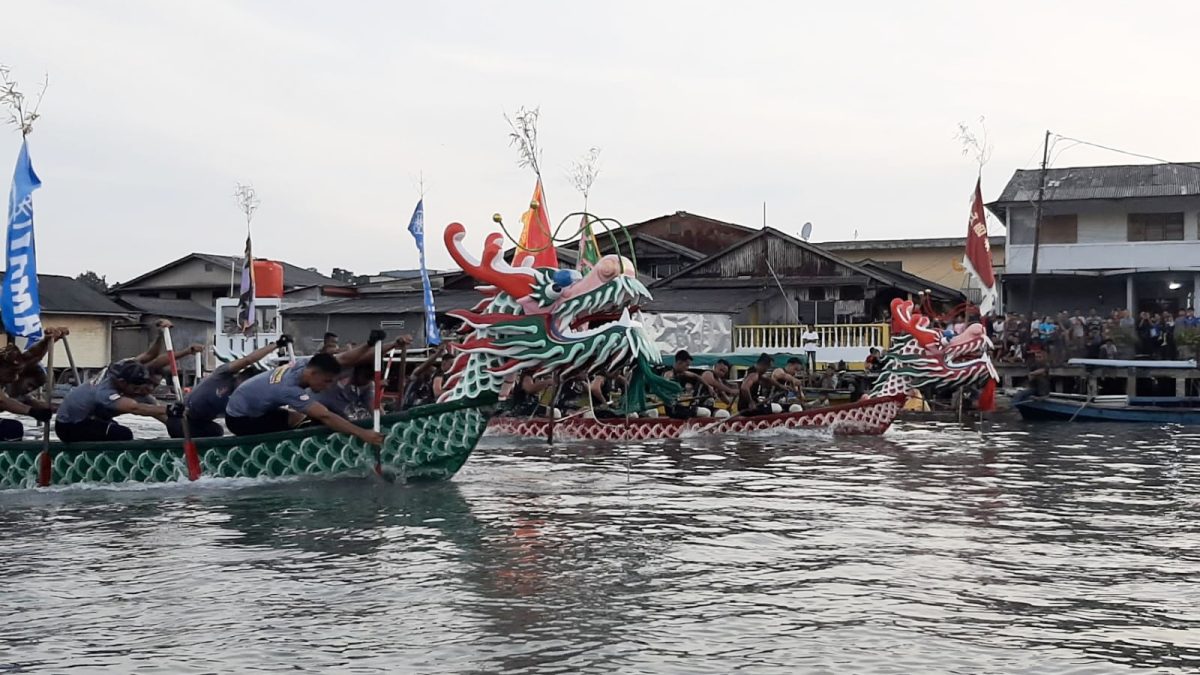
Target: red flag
536, 239
978, 257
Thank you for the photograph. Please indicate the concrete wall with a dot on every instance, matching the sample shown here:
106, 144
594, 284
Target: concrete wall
1103, 237
934, 264
90, 339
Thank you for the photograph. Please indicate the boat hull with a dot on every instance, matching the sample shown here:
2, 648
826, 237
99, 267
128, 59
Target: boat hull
427, 443
872, 416
1047, 409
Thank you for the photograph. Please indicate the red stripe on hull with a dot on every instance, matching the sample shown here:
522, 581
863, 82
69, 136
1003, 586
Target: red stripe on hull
869, 417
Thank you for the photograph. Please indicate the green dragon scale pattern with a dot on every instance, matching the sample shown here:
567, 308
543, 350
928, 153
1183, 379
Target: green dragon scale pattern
427, 443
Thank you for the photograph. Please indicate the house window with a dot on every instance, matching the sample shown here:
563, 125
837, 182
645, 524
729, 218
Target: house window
1060, 229
1156, 227
851, 293
816, 293
208, 267
675, 227
183, 295
147, 294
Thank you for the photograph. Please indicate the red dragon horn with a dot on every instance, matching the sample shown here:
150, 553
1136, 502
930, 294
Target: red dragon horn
486, 271
905, 321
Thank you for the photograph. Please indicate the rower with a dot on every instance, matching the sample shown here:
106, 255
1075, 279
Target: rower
87, 412
258, 406
208, 399
523, 400
600, 392
352, 394
421, 380
786, 381
681, 373
716, 391
17, 376
329, 344
755, 392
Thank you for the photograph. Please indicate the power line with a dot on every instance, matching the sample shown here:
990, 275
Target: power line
1123, 152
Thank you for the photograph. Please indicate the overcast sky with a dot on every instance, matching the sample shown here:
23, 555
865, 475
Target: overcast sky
840, 115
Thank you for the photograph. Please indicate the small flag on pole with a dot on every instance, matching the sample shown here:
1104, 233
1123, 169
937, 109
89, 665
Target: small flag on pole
589, 250
416, 227
978, 256
536, 239
19, 301
246, 313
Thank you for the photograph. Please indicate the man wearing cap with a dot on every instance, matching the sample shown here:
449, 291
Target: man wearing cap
87, 413
281, 399
208, 399
352, 394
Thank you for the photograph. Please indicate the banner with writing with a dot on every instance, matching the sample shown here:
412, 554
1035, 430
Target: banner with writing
19, 301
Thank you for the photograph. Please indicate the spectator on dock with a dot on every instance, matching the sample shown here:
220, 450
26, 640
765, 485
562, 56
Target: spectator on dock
810, 339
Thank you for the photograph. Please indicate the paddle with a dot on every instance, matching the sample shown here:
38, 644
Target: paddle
45, 465
376, 413
71, 360
190, 454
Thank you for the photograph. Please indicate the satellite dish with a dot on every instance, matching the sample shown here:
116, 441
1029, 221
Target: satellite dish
806, 231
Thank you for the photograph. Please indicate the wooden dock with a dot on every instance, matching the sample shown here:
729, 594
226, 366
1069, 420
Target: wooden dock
1087, 379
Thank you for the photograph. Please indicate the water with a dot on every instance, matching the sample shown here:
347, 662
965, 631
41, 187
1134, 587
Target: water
1069, 549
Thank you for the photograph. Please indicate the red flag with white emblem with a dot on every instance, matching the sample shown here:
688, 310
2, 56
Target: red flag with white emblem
978, 257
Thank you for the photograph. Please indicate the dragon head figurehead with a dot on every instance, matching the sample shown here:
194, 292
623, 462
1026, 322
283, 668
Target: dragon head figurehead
543, 320
921, 356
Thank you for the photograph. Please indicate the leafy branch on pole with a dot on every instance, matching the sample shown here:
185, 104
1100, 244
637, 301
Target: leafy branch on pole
21, 112
524, 136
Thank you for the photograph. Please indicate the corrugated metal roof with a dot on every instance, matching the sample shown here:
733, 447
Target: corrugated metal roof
400, 303
64, 295
890, 244
1103, 182
170, 307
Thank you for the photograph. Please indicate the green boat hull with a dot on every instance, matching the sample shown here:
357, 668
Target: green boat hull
426, 443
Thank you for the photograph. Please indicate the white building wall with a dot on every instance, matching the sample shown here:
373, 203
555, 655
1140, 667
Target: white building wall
1102, 241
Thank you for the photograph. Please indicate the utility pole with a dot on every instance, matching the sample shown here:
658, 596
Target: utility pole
1037, 224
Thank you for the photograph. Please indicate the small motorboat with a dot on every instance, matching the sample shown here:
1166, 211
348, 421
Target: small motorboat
1139, 409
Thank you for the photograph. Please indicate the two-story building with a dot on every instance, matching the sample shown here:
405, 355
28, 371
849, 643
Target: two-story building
1111, 237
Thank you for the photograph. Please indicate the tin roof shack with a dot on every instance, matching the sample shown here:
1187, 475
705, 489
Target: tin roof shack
798, 282
1111, 237
204, 277
937, 259
192, 323
352, 318
662, 246
88, 314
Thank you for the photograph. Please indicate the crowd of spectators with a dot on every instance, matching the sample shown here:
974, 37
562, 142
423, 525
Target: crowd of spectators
1119, 335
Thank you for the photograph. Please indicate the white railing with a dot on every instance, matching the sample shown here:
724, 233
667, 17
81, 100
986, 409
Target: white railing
781, 338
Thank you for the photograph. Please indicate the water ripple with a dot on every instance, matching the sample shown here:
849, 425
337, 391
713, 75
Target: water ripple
933, 549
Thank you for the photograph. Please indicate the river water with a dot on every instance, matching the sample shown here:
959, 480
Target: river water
1032, 549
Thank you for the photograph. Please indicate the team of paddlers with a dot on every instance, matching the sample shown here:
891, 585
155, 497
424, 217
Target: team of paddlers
336, 387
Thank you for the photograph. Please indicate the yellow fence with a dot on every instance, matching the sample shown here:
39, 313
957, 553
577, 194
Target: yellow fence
787, 337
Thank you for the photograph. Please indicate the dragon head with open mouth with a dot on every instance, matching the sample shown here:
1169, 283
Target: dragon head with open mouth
921, 356
543, 320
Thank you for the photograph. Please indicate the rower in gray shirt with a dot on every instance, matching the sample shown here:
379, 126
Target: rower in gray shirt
208, 399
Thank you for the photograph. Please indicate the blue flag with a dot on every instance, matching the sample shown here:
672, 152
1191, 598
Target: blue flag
417, 227
19, 302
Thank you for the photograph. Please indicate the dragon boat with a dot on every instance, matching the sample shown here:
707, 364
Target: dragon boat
529, 318
918, 357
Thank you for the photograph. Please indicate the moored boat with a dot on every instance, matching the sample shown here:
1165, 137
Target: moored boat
1132, 409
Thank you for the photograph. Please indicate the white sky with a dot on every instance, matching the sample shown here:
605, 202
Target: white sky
843, 116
